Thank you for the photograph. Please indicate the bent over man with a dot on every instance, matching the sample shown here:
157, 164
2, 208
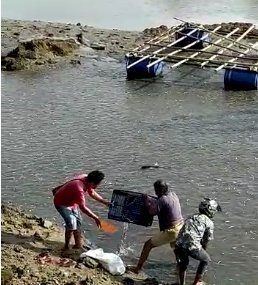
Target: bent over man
193, 239
69, 199
168, 209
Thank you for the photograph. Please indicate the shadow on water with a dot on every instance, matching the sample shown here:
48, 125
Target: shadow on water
189, 77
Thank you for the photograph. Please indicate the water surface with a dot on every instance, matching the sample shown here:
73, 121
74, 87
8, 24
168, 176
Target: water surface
131, 14
62, 122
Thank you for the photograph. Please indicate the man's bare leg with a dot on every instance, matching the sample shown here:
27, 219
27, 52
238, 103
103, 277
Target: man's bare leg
78, 239
182, 275
148, 246
68, 237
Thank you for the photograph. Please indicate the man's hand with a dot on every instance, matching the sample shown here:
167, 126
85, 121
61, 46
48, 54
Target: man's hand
107, 203
98, 222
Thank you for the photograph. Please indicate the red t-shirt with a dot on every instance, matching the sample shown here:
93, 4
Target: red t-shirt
72, 193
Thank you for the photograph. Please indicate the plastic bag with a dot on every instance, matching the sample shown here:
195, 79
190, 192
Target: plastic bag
110, 261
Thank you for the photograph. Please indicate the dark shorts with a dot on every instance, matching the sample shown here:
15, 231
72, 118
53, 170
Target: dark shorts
72, 217
182, 257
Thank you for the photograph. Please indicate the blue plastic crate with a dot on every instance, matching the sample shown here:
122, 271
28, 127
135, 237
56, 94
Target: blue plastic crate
128, 206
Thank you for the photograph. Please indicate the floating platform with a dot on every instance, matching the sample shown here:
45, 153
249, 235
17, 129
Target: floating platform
193, 44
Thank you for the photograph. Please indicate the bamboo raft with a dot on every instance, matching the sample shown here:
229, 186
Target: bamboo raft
236, 51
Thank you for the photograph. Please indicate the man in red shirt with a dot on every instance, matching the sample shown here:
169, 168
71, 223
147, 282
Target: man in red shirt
70, 197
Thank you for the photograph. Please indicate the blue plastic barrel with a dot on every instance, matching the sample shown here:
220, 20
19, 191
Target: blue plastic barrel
140, 70
240, 79
191, 38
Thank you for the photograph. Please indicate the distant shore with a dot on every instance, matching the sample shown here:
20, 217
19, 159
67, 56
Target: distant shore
37, 44
86, 40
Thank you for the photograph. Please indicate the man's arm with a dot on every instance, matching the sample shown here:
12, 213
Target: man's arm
208, 235
98, 197
85, 209
151, 205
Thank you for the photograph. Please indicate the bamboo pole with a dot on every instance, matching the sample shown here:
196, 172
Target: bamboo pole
228, 46
211, 65
209, 52
204, 29
176, 51
203, 49
217, 62
161, 49
158, 39
236, 58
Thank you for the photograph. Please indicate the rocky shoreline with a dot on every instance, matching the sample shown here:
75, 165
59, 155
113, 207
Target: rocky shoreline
31, 254
32, 45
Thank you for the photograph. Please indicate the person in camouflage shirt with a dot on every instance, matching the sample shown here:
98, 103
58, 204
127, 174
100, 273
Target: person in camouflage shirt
193, 238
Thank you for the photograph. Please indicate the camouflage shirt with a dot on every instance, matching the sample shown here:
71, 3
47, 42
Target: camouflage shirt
197, 229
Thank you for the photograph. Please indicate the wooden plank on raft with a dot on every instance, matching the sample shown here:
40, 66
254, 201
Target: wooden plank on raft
205, 48
229, 39
236, 58
214, 61
177, 51
204, 52
161, 49
229, 46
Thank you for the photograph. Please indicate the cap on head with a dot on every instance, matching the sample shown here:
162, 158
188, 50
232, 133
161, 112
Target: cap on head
95, 177
209, 207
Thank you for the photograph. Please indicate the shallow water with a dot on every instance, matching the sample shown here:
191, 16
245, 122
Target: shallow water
58, 123
130, 14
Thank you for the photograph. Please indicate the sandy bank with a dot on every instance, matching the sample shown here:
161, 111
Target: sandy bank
31, 254
86, 41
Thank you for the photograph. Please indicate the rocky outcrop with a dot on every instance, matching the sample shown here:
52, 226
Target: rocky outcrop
38, 52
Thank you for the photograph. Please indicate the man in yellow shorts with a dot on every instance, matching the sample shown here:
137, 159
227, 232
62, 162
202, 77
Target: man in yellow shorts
168, 209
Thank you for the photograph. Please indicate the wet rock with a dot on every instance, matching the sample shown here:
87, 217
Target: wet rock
128, 281
90, 262
38, 237
150, 281
17, 248
39, 62
98, 46
80, 266
87, 281
82, 40
156, 31
6, 276
11, 64
27, 225
18, 270
75, 61
45, 223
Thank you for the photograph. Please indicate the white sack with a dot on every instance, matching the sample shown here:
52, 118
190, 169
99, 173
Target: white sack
110, 261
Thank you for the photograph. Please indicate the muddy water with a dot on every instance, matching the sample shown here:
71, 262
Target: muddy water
61, 122
130, 14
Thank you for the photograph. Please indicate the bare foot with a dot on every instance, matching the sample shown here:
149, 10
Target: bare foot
78, 246
65, 252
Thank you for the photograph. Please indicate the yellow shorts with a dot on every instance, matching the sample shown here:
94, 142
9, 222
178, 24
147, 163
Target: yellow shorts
167, 236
